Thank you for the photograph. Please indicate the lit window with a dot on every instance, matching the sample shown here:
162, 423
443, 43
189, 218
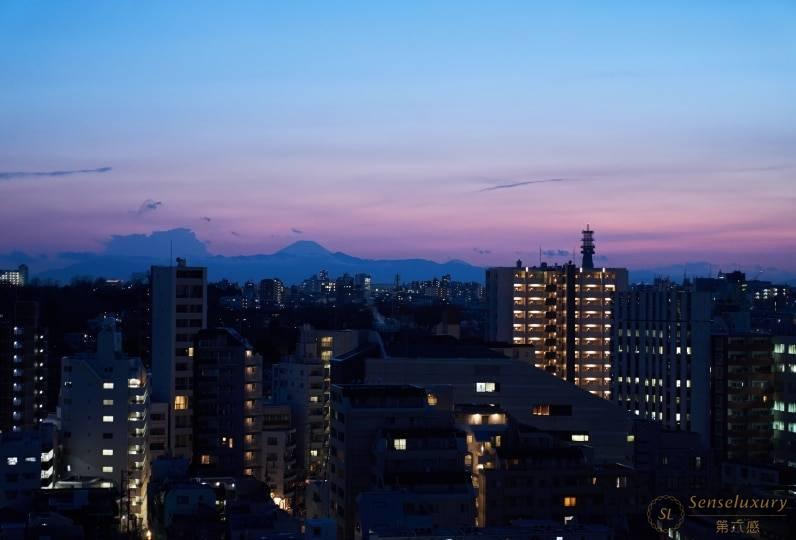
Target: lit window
485, 387
107, 386
107, 469
12, 461
541, 410
107, 419
205, 459
570, 501
180, 403
631, 438
399, 444
314, 452
107, 402
107, 451
432, 399
580, 437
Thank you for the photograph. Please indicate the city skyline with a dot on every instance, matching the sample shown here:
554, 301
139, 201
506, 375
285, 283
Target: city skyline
452, 131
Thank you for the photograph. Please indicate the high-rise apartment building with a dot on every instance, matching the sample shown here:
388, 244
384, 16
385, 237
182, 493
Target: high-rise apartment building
784, 422
742, 387
104, 412
272, 292
16, 277
23, 368
302, 381
227, 405
179, 312
564, 311
661, 355
279, 451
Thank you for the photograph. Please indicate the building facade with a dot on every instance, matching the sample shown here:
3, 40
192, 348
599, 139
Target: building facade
742, 386
279, 454
661, 355
785, 400
179, 312
227, 412
564, 311
392, 438
104, 414
302, 381
15, 277
23, 368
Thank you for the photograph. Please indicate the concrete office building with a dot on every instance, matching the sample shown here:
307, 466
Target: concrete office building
661, 349
784, 422
564, 311
23, 368
104, 408
179, 312
227, 411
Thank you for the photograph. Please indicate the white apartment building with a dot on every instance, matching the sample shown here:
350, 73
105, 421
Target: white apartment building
103, 409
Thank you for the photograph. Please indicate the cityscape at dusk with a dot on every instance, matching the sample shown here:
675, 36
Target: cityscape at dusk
449, 270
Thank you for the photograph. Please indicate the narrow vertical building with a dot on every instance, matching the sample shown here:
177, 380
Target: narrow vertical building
23, 368
784, 422
302, 381
179, 312
742, 386
227, 412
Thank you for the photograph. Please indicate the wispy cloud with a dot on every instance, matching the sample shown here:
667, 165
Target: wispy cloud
482, 251
524, 183
234, 233
296, 231
205, 218
148, 205
556, 253
13, 175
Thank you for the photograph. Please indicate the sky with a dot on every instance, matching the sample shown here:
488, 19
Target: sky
480, 131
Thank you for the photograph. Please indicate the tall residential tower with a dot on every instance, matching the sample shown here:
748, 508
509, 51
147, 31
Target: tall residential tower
564, 311
179, 312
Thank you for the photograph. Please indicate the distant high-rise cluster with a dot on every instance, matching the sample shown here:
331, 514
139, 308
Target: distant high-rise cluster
17, 277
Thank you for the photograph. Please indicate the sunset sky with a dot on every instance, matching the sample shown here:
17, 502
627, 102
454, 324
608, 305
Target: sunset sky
470, 130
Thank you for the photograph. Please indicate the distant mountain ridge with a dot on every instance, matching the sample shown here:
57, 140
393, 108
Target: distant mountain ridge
292, 264
126, 255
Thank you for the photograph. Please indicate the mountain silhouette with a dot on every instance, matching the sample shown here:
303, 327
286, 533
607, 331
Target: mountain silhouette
126, 255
